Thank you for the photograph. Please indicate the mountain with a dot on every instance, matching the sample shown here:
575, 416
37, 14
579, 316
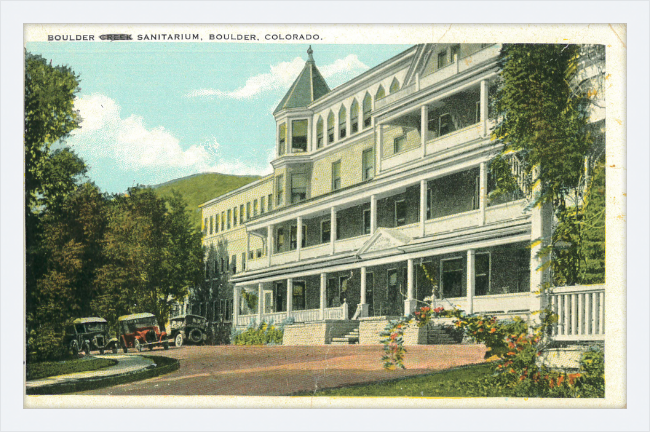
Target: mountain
199, 188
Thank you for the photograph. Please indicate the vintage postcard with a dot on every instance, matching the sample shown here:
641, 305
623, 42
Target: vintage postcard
325, 216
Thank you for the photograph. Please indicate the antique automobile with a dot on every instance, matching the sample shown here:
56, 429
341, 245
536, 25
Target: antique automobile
89, 334
139, 331
188, 328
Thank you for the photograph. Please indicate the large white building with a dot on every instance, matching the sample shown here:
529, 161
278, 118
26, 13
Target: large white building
376, 184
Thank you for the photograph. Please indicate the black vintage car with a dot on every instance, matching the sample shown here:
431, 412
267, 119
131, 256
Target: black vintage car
89, 334
188, 328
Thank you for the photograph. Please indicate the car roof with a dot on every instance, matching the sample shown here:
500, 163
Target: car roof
135, 316
89, 320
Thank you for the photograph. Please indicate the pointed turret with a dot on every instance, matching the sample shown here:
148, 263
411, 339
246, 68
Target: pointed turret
309, 86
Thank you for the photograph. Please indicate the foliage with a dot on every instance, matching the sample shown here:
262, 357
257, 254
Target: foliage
45, 343
251, 299
47, 369
593, 238
263, 334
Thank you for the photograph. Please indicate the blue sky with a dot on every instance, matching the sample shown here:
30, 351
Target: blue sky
153, 112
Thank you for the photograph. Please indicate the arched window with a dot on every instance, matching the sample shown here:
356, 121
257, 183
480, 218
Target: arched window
381, 93
394, 86
354, 117
330, 128
342, 122
319, 133
367, 109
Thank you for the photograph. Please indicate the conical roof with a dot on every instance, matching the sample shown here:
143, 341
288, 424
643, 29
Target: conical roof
309, 86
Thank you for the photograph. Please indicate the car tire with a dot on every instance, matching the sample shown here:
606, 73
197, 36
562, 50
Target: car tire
87, 350
101, 351
196, 336
178, 340
115, 349
74, 348
166, 345
124, 348
137, 345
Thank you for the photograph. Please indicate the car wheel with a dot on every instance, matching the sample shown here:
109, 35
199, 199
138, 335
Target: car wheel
124, 348
74, 348
150, 347
178, 340
137, 345
166, 345
101, 351
196, 336
87, 350
115, 349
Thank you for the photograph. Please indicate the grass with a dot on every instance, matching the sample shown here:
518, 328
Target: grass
447, 383
48, 369
199, 188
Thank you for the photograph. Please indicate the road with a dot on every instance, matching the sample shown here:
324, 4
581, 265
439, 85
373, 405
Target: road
284, 370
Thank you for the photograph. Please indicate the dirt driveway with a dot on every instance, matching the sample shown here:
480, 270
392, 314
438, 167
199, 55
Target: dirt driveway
284, 370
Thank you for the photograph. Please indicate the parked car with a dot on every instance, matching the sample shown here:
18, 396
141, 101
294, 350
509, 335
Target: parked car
89, 334
139, 331
188, 328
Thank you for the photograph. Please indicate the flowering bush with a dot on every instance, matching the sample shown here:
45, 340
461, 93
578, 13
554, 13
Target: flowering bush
263, 334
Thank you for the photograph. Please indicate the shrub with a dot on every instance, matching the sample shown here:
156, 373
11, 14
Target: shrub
45, 344
264, 334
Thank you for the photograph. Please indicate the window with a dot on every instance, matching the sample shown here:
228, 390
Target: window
342, 122
477, 117
251, 254
325, 231
330, 128
229, 217
279, 188
234, 216
241, 214
223, 220
354, 117
279, 239
442, 59
381, 93
452, 277
205, 225
243, 261
332, 293
482, 274
233, 263
429, 203
248, 210
400, 213
446, 125
259, 253
262, 203
210, 224
298, 297
367, 109
294, 237
298, 187
476, 200
368, 164
254, 208
216, 223
336, 175
223, 265
319, 133
394, 86
366, 221
270, 202
398, 143
299, 129
282, 139
455, 52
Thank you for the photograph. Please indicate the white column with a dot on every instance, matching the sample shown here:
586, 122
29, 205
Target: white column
323, 293
424, 128
333, 228
363, 304
289, 297
410, 303
373, 214
269, 243
235, 305
540, 233
379, 153
456, 61
423, 207
299, 236
260, 302
471, 280
482, 193
484, 106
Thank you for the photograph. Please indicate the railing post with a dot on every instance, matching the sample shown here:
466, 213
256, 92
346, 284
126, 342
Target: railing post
323, 293
471, 280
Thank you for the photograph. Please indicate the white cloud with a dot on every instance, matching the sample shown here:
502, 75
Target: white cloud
133, 146
282, 76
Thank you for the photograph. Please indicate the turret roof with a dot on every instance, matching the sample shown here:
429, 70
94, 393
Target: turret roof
309, 86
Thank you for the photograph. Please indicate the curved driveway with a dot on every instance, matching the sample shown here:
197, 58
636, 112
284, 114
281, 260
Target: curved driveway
284, 370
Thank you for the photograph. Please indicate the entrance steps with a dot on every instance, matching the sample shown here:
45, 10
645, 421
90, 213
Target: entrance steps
348, 339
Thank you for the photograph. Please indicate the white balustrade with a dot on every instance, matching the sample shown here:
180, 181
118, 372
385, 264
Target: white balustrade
505, 211
452, 222
581, 312
352, 243
453, 139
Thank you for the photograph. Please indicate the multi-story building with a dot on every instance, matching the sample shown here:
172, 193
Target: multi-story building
378, 198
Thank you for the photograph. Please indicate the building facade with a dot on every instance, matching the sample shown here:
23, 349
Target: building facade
378, 202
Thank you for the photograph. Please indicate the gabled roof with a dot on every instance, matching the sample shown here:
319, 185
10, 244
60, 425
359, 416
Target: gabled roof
309, 86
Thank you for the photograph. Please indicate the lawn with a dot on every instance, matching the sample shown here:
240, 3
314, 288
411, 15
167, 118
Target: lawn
47, 369
447, 383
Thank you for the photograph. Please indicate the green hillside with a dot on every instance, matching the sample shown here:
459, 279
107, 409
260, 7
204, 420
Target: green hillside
199, 188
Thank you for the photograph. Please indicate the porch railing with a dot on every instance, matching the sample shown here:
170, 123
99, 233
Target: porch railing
581, 312
307, 315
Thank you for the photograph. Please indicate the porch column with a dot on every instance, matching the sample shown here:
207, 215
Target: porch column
363, 304
379, 153
471, 280
333, 229
289, 297
424, 128
373, 214
269, 243
235, 305
482, 193
484, 106
298, 236
260, 302
323, 294
410, 303
540, 234
423, 207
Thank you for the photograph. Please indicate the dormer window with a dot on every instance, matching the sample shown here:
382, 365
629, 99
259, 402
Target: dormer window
394, 86
282, 139
367, 109
299, 135
381, 93
319, 133
330, 128
354, 117
342, 122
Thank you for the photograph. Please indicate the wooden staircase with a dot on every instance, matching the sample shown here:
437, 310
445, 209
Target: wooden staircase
348, 339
